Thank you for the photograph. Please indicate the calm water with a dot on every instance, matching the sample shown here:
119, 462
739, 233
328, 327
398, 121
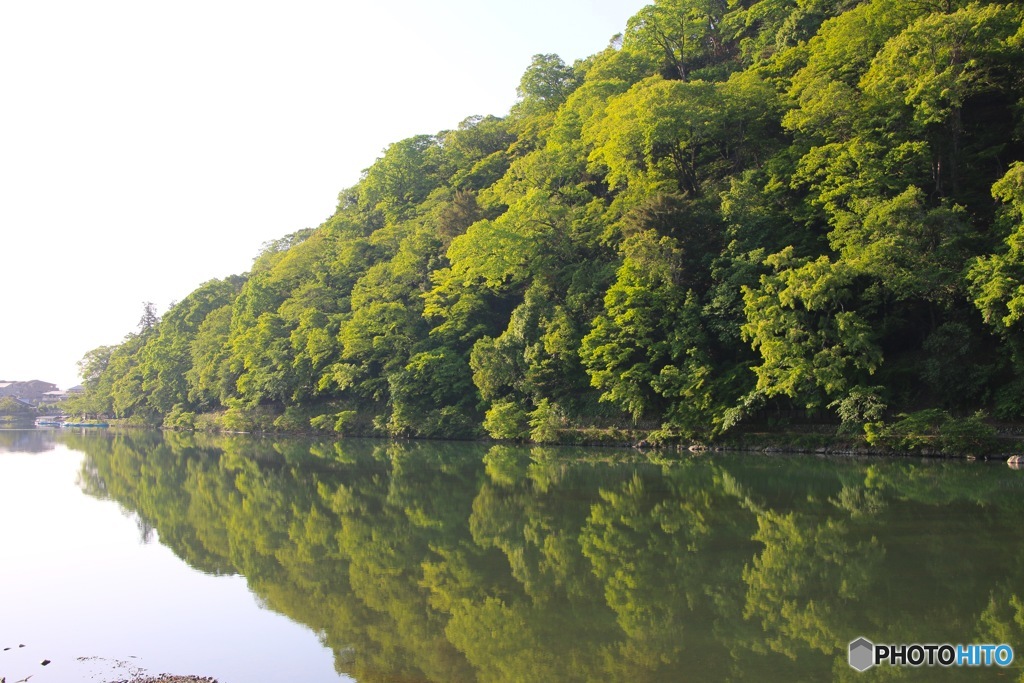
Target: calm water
255, 560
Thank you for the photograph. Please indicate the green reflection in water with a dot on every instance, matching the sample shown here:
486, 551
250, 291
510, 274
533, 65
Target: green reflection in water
456, 562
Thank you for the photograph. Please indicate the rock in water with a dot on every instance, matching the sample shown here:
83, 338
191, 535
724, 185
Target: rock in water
1016, 462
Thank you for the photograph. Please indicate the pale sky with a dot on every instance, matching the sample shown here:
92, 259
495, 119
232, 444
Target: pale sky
147, 147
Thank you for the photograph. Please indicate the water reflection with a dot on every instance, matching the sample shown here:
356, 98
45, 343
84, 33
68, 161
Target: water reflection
27, 440
453, 562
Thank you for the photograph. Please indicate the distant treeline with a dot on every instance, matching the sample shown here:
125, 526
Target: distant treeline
739, 208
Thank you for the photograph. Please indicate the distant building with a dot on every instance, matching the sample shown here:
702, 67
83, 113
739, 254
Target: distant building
32, 392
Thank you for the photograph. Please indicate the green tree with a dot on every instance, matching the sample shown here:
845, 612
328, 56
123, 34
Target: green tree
997, 280
811, 347
546, 84
685, 35
676, 136
936, 66
648, 352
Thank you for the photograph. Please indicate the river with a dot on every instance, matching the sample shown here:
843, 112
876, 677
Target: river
261, 560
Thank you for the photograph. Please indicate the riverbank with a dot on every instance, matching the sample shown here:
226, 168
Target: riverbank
932, 434
168, 678
29, 667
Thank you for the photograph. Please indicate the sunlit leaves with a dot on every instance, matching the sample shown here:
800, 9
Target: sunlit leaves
648, 352
546, 83
941, 60
997, 280
684, 35
609, 239
809, 344
675, 136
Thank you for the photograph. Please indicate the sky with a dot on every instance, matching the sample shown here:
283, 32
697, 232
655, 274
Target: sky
147, 147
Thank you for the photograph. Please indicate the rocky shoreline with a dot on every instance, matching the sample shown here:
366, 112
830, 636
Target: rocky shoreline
167, 678
102, 669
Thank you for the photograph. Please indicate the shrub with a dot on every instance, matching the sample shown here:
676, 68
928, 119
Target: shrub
860, 406
935, 429
506, 420
545, 421
179, 418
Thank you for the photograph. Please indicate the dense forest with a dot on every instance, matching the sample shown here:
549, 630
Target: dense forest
740, 208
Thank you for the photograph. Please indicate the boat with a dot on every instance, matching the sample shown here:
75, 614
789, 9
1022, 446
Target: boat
84, 424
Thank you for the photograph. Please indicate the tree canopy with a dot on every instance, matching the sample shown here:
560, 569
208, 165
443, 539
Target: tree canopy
736, 208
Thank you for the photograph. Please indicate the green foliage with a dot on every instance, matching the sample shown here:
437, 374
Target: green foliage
432, 396
649, 352
997, 280
735, 210
9, 406
686, 36
935, 430
506, 420
295, 419
240, 417
812, 346
179, 418
545, 422
545, 84
666, 136
859, 407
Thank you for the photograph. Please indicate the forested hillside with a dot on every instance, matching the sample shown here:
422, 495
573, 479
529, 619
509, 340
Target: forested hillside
739, 208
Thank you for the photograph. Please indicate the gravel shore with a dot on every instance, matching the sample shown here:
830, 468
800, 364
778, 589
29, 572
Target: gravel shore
168, 678
20, 665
